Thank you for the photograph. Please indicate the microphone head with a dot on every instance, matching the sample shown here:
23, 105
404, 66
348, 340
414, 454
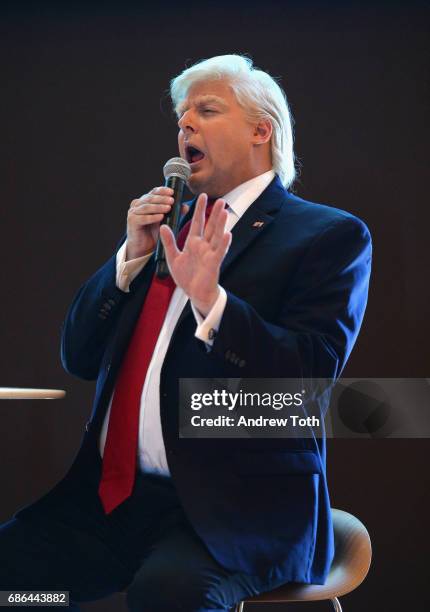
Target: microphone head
177, 167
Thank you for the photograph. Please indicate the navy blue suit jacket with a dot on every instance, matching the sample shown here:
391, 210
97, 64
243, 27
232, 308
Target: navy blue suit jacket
296, 294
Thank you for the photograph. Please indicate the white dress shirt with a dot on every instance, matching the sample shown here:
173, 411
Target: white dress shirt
151, 451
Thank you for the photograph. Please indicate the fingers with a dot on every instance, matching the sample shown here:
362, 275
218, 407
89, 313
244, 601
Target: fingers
163, 190
157, 200
156, 195
198, 220
215, 226
147, 209
151, 207
214, 230
223, 245
221, 240
169, 244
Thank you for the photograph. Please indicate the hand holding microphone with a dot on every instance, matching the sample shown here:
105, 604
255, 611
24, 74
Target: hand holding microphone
176, 172
147, 212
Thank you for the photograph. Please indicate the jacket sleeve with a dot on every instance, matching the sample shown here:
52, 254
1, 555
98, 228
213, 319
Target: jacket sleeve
319, 318
90, 321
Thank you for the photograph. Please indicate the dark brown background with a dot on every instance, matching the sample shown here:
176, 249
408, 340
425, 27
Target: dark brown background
86, 126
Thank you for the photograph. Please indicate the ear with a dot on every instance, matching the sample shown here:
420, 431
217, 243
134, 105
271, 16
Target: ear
263, 132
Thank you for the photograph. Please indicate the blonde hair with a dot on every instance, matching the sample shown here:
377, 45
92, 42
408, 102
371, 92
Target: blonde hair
257, 92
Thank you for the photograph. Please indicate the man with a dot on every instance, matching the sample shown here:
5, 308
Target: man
270, 286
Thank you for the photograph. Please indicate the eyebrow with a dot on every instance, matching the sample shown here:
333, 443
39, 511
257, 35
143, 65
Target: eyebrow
207, 99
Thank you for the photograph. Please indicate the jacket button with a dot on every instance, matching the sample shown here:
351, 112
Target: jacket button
87, 425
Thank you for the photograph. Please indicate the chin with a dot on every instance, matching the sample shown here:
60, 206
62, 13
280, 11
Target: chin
200, 184
197, 185
193, 187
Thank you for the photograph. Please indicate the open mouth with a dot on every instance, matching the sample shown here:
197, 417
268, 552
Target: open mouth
193, 154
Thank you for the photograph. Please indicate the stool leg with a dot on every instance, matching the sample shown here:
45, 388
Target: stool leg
336, 604
240, 606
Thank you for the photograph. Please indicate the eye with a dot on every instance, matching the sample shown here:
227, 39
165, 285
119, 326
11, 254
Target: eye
209, 110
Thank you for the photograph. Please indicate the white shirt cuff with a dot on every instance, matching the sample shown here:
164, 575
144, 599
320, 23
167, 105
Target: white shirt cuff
126, 271
207, 327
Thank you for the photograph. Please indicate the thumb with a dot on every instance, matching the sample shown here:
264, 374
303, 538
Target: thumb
185, 208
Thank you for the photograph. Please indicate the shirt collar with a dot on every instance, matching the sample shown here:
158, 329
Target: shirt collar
241, 197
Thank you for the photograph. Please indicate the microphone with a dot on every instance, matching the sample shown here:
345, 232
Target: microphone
176, 173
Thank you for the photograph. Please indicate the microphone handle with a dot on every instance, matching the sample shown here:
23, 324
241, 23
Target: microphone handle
172, 220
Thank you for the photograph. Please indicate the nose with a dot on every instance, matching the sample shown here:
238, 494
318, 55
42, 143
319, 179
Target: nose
186, 123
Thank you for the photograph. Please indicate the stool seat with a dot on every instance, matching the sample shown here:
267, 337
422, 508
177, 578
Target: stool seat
353, 553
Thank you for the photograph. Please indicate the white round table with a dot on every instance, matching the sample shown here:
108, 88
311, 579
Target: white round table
23, 393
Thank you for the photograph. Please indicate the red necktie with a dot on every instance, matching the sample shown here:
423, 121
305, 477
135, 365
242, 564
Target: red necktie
120, 452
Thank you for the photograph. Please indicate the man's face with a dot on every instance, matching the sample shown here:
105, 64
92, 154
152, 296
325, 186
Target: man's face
215, 138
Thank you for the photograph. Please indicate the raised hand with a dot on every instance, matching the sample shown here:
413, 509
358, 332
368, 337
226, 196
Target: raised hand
196, 268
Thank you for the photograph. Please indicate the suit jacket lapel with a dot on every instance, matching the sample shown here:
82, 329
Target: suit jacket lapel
253, 222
